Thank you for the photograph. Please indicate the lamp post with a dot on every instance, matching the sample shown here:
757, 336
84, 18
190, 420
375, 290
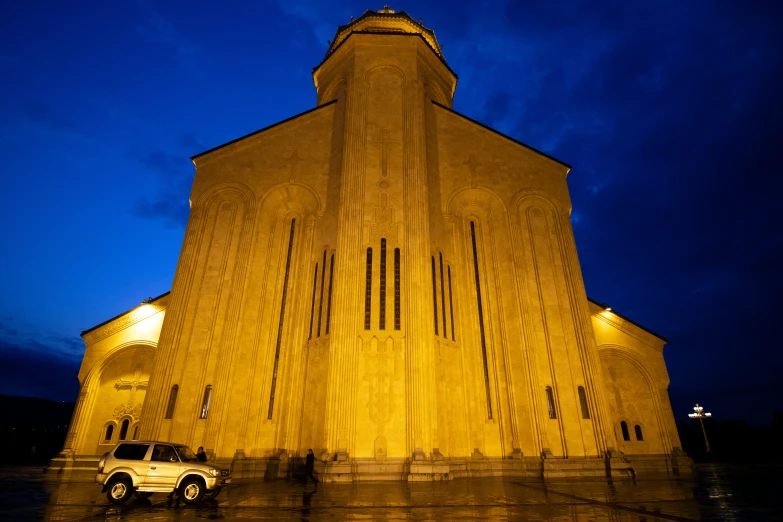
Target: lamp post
700, 414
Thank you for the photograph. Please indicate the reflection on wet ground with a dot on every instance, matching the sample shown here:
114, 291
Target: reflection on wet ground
719, 492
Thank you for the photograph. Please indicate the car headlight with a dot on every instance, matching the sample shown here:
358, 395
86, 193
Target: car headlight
214, 472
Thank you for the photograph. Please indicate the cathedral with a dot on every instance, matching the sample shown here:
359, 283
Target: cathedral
389, 283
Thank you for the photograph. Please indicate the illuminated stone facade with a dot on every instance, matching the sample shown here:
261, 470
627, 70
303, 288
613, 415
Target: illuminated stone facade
389, 283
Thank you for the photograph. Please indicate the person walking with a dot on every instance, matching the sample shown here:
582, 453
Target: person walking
309, 465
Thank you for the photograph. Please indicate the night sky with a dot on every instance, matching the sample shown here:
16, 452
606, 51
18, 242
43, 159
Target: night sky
669, 112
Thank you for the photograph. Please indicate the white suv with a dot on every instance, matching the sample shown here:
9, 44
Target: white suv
146, 467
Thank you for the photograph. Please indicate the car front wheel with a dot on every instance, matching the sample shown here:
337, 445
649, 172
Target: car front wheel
120, 490
212, 494
192, 490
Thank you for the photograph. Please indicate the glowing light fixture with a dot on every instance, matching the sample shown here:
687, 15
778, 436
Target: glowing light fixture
147, 301
699, 413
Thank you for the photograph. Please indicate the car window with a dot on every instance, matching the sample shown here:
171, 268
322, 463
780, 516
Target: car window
186, 454
131, 451
164, 453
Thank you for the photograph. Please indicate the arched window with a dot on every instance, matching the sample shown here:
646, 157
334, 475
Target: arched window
172, 402
135, 432
550, 403
205, 403
638, 430
124, 429
583, 402
109, 432
624, 427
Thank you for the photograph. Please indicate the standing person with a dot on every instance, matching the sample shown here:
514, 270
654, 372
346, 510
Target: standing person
200, 455
309, 464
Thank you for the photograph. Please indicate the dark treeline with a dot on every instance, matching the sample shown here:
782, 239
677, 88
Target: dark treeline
32, 430
733, 440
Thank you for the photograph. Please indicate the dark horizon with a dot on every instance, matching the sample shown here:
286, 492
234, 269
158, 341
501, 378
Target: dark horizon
668, 114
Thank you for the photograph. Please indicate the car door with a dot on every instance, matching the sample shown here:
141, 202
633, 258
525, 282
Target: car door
164, 467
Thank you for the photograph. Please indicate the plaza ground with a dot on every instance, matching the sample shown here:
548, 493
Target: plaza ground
718, 492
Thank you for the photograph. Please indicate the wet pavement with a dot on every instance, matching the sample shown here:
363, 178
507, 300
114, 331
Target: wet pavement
718, 492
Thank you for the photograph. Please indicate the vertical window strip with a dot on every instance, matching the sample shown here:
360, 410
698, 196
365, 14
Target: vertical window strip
583, 402
172, 402
280, 323
124, 429
382, 309
205, 402
329, 296
321, 298
434, 296
368, 290
312, 303
481, 319
550, 403
396, 288
442, 297
451, 304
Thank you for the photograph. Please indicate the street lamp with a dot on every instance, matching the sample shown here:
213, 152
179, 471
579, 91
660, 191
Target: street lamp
700, 414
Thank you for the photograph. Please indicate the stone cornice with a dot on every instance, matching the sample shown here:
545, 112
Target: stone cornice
125, 320
627, 327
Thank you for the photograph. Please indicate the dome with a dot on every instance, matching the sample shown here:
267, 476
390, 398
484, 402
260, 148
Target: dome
385, 21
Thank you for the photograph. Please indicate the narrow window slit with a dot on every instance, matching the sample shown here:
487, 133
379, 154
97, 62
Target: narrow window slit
396, 288
280, 323
172, 401
443, 297
481, 319
329, 298
550, 403
451, 305
583, 402
205, 402
368, 290
382, 307
434, 296
312, 303
321, 299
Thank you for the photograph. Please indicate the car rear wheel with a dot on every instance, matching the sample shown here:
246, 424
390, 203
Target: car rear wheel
192, 490
120, 490
212, 494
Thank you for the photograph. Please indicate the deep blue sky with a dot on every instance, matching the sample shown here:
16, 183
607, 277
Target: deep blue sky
669, 112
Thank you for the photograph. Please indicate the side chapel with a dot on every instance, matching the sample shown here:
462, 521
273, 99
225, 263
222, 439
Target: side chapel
390, 283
